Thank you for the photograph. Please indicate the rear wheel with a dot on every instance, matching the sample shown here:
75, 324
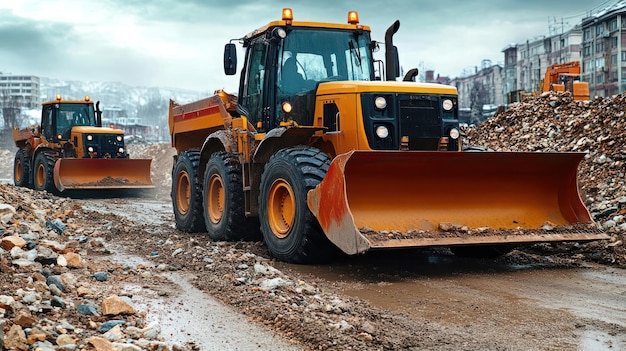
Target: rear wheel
21, 169
291, 232
187, 192
223, 199
43, 173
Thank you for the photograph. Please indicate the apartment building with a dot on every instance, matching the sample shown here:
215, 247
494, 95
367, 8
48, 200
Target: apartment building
604, 51
20, 91
480, 92
525, 64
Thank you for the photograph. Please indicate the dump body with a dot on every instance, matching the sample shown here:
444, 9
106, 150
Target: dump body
443, 199
70, 149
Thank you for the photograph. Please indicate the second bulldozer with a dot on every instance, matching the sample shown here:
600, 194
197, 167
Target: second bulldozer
320, 153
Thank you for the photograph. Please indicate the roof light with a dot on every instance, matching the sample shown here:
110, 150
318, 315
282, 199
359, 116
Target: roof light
353, 17
287, 15
58, 97
87, 98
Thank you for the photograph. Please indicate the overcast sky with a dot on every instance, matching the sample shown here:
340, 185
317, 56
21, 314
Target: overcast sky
179, 43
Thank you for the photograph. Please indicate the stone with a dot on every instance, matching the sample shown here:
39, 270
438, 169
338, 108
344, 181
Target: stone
73, 260
24, 318
114, 305
101, 344
9, 242
56, 280
65, 339
15, 338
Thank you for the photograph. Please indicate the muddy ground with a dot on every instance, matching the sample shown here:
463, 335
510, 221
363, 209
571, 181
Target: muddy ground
233, 296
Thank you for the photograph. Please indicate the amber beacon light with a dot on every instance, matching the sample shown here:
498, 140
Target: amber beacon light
353, 17
287, 15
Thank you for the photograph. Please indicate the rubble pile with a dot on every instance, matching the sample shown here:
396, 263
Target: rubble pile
55, 294
162, 160
554, 122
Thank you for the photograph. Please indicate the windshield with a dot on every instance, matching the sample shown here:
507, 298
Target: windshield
70, 115
310, 56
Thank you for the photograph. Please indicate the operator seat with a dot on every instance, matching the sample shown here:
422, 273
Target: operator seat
291, 80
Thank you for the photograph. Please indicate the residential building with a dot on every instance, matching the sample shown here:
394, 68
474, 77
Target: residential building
480, 91
20, 91
604, 51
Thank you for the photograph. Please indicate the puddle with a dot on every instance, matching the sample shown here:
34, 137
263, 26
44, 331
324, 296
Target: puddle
594, 340
188, 314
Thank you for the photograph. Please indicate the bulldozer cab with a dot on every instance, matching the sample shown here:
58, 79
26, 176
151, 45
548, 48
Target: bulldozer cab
59, 118
284, 65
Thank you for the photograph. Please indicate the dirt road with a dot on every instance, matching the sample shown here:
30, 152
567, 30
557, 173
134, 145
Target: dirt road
405, 300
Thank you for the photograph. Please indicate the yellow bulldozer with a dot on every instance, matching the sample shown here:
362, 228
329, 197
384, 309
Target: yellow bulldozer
70, 149
322, 151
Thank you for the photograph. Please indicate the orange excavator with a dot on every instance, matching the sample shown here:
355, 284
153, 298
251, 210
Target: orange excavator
565, 77
71, 150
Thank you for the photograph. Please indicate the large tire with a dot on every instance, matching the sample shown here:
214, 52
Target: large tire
223, 200
187, 193
21, 169
43, 173
291, 232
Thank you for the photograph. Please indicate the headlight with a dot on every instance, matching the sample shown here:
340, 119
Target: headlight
447, 105
454, 133
382, 132
286, 107
380, 102
90, 149
89, 137
120, 138
120, 150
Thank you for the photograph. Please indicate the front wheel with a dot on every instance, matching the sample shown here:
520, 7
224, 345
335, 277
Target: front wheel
43, 173
187, 192
223, 199
291, 232
21, 169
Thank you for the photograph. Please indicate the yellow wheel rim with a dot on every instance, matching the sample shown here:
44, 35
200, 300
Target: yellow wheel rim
183, 193
215, 198
18, 170
41, 175
281, 208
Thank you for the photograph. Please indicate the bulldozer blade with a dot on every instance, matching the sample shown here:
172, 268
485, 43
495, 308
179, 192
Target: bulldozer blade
385, 199
102, 173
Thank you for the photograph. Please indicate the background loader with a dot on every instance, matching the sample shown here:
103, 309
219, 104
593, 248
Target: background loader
320, 153
71, 150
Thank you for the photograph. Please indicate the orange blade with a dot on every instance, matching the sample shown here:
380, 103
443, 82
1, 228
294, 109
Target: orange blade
104, 173
408, 192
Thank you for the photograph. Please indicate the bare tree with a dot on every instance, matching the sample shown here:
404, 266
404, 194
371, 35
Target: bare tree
479, 96
10, 116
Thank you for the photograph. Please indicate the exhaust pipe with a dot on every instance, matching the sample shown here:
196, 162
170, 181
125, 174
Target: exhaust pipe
390, 51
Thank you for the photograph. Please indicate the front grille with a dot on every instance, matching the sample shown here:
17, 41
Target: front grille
105, 144
420, 116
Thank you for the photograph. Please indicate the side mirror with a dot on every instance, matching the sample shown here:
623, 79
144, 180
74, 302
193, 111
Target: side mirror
230, 59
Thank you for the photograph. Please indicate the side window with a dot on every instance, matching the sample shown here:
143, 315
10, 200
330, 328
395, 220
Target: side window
254, 82
46, 122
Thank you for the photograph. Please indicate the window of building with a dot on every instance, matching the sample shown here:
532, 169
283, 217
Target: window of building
586, 50
614, 59
600, 78
586, 35
599, 29
599, 63
623, 55
614, 24
613, 42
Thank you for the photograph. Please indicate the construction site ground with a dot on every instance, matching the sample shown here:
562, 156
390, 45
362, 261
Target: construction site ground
203, 295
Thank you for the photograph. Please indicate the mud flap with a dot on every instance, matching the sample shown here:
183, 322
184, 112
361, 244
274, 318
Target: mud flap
102, 173
381, 199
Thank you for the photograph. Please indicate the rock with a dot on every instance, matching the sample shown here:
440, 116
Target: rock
73, 260
24, 318
274, 283
9, 242
101, 276
114, 305
88, 309
65, 339
57, 301
101, 344
108, 325
15, 338
114, 334
6, 213
56, 280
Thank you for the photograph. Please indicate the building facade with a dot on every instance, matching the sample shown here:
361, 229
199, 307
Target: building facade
480, 92
20, 91
604, 51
